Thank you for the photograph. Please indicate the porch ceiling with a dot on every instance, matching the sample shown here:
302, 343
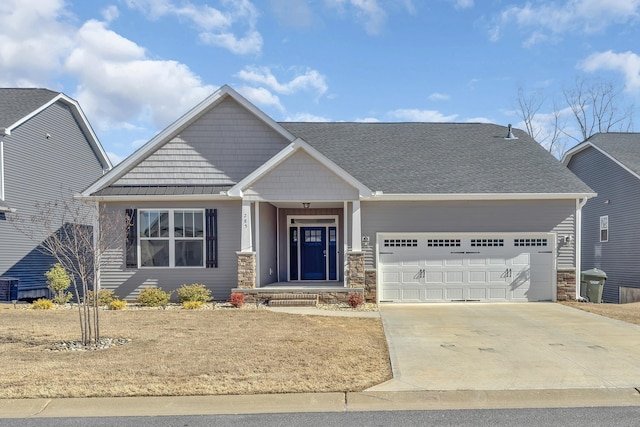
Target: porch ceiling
312, 205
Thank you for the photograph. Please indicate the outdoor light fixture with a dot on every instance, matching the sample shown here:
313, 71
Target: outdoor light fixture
306, 205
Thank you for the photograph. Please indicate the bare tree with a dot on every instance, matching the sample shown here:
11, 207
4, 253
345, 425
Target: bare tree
598, 106
73, 239
546, 128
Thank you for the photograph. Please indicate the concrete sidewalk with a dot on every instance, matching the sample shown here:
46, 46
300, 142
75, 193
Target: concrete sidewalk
315, 402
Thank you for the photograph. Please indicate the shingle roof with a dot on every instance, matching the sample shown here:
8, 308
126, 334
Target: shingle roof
160, 190
624, 147
440, 158
17, 103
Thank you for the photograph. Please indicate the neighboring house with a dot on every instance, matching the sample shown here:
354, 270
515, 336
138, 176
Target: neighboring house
48, 151
408, 212
610, 164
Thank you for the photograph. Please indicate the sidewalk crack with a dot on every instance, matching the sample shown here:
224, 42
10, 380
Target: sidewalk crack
45, 406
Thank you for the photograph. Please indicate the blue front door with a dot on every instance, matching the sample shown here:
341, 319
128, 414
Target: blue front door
313, 264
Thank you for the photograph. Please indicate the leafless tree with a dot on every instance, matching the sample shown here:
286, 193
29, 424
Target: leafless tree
73, 239
546, 128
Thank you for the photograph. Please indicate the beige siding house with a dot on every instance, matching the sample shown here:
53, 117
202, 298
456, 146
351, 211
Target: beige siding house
403, 212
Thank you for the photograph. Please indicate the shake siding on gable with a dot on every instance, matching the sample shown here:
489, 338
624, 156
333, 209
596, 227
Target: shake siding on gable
301, 177
127, 282
219, 148
511, 216
41, 169
620, 256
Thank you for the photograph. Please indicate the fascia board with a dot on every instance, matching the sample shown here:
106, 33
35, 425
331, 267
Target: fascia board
566, 158
479, 196
298, 144
170, 131
155, 198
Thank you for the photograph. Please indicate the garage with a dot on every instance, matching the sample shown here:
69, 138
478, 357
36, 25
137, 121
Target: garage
420, 267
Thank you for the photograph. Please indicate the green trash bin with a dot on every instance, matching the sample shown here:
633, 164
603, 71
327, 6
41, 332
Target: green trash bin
592, 283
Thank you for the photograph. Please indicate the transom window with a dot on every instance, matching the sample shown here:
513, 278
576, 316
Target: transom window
530, 242
171, 238
487, 242
443, 242
400, 243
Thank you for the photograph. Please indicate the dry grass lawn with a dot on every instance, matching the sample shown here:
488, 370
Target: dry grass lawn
180, 352
629, 313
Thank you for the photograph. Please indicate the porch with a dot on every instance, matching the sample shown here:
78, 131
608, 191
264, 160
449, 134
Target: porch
299, 294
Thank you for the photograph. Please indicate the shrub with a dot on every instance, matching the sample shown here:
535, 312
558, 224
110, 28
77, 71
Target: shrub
153, 297
355, 299
191, 305
42, 304
194, 293
105, 296
236, 300
58, 281
117, 304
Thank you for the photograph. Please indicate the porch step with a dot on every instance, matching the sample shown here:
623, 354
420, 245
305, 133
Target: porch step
293, 300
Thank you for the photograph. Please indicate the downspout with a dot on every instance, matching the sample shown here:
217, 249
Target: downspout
578, 241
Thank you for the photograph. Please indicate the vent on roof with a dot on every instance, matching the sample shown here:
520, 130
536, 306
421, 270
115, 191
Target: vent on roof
510, 135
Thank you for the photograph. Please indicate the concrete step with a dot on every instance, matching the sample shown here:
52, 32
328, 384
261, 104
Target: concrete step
293, 300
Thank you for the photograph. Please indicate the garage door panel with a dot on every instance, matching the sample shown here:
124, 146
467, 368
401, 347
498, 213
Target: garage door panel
485, 268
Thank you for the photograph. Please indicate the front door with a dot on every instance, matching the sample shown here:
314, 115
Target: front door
313, 251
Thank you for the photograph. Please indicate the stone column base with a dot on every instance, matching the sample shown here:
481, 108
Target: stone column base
566, 289
355, 274
246, 270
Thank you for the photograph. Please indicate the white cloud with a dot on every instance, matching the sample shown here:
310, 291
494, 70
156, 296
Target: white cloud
627, 63
261, 96
118, 84
309, 80
415, 115
368, 120
115, 158
463, 4
34, 39
478, 120
369, 12
546, 20
215, 26
439, 97
306, 117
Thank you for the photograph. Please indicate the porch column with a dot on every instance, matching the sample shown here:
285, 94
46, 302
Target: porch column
356, 227
246, 256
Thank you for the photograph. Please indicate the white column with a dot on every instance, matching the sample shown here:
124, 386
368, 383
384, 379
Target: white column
1, 169
356, 227
257, 208
246, 244
577, 242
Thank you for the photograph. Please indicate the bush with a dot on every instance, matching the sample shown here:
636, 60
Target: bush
153, 297
194, 293
191, 305
42, 304
58, 281
236, 300
105, 296
117, 304
355, 299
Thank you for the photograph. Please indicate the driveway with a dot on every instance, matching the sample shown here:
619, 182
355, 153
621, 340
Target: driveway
503, 346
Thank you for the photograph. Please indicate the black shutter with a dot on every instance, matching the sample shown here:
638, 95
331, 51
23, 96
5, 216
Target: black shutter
212, 237
131, 255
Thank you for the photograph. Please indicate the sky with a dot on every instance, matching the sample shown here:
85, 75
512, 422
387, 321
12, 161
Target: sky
135, 66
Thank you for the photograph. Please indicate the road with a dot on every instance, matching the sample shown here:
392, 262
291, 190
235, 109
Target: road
566, 417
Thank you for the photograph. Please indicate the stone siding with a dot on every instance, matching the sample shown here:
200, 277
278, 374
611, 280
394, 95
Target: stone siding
356, 274
370, 285
246, 270
566, 285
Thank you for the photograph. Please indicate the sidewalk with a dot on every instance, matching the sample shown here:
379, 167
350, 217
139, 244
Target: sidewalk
315, 402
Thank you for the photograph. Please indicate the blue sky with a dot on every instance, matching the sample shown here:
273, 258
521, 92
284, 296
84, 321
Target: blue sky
135, 66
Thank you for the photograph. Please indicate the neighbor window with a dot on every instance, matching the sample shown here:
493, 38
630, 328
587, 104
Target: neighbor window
171, 238
604, 228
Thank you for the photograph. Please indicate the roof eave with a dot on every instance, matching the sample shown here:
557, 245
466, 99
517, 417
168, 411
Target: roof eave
381, 197
155, 198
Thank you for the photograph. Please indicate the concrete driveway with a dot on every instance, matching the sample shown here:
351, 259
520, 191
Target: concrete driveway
502, 346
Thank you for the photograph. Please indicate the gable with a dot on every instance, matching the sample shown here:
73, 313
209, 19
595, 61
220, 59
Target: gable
301, 177
219, 148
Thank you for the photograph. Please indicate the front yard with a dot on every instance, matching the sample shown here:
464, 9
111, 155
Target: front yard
185, 352
629, 313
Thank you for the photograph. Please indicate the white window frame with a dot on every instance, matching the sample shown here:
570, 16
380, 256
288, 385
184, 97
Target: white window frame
172, 239
1, 169
604, 226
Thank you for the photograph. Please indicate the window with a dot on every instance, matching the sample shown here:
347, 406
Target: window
530, 242
604, 228
404, 243
171, 238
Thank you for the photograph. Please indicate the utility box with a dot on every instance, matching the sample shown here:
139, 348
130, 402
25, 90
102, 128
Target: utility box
592, 284
8, 289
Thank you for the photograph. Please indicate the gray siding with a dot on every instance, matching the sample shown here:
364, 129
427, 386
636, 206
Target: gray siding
301, 177
39, 170
219, 148
471, 217
127, 283
268, 244
620, 256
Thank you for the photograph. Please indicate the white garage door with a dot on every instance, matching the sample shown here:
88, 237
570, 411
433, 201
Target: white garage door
427, 267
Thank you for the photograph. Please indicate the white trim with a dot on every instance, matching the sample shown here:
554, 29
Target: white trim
578, 243
246, 243
356, 227
345, 245
285, 153
379, 196
157, 198
336, 224
586, 144
257, 234
169, 132
601, 228
1, 169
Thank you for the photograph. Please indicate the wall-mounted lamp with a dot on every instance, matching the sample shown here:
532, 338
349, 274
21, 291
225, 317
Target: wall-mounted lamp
566, 240
606, 202
365, 240
306, 205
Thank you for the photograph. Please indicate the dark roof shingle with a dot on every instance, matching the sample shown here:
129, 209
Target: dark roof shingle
439, 158
17, 103
624, 147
